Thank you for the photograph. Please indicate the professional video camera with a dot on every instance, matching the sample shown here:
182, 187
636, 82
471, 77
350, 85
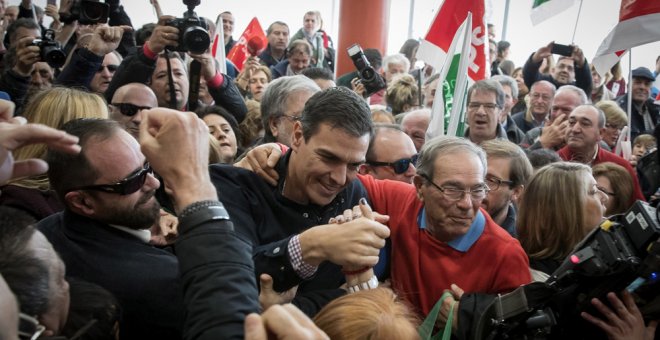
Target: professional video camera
87, 12
371, 80
623, 253
193, 35
50, 50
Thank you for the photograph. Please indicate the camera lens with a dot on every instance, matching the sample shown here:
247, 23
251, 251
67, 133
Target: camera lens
196, 39
368, 73
53, 56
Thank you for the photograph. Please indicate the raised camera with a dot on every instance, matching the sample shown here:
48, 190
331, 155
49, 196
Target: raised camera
371, 80
193, 36
87, 12
50, 50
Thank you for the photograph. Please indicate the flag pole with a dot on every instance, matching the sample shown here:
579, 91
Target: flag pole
630, 68
411, 16
506, 19
576, 23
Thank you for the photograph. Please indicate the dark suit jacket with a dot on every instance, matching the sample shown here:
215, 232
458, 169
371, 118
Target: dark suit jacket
144, 279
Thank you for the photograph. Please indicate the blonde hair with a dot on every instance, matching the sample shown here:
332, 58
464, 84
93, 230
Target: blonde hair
379, 114
614, 115
550, 216
55, 107
401, 93
370, 314
251, 125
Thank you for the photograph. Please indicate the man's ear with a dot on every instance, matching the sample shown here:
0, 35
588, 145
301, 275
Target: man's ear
418, 181
80, 203
516, 192
297, 138
272, 125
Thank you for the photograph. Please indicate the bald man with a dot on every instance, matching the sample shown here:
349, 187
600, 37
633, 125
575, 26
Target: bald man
414, 124
127, 105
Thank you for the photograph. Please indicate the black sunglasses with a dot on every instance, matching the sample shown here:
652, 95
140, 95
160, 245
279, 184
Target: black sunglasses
110, 67
399, 166
128, 109
126, 186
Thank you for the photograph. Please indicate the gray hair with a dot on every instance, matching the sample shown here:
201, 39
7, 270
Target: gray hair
446, 145
398, 59
488, 85
277, 93
505, 80
601, 114
578, 91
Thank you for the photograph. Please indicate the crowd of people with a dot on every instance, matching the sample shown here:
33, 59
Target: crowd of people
277, 200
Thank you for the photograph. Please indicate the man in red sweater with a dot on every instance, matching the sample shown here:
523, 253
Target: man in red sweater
440, 235
586, 124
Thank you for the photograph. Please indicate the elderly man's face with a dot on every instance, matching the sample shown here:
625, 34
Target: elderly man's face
392, 70
584, 132
104, 74
447, 218
541, 98
282, 127
127, 106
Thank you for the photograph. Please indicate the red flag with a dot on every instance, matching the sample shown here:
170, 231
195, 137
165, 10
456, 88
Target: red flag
452, 14
252, 42
638, 25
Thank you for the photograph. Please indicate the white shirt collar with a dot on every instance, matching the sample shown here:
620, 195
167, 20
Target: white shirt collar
143, 235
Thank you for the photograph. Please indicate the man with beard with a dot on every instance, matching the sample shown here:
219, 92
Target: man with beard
102, 235
508, 173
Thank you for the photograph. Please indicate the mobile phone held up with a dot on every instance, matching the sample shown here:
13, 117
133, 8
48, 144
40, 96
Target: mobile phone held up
51, 2
562, 49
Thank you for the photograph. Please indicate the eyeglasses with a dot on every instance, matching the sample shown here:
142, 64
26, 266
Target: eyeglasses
494, 183
111, 68
455, 194
608, 193
291, 117
399, 166
126, 186
29, 327
130, 110
488, 107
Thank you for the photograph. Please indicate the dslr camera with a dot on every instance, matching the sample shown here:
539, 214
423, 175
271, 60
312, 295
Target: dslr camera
371, 80
87, 12
50, 50
193, 34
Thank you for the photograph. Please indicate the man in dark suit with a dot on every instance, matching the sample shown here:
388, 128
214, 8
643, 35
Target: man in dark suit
103, 234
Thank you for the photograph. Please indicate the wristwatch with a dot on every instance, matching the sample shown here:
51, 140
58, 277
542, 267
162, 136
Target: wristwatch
371, 284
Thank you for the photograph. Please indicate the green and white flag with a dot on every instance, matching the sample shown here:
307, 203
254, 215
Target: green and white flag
545, 9
448, 113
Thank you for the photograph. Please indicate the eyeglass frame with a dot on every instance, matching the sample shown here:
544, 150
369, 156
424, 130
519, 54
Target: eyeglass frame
291, 117
456, 190
137, 108
497, 181
35, 328
120, 187
412, 160
487, 106
610, 126
109, 67
601, 189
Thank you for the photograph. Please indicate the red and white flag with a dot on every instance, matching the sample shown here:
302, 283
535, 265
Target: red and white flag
251, 43
435, 46
638, 25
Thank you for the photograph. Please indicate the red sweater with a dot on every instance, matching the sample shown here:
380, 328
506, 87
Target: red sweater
605, 156
423, 267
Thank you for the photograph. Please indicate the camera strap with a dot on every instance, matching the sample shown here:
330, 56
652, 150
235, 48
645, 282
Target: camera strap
170, 81
194, 71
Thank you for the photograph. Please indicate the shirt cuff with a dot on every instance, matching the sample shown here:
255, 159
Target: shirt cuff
304, 270
148, 52
216, 81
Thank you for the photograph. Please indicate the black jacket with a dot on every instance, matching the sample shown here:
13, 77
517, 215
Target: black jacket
636, 119
137, 68
217, 275
81, 69
144, 279
269, 220
583, 79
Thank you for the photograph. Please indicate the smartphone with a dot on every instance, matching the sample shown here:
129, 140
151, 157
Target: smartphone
562, 49
51, 2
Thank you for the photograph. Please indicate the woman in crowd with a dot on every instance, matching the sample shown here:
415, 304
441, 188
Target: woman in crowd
599, 91
251, 128
402, 95
615, 120
53, 108
615, 181
224, 129
618, 83
379, 114
549, 235
523, 90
